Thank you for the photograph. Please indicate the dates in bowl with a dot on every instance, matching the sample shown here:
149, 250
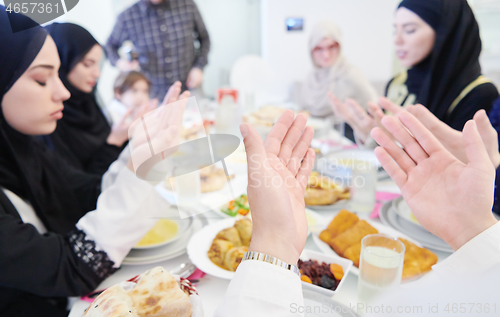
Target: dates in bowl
322, 273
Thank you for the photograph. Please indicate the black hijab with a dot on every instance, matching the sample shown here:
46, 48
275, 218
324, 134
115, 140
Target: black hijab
454, 61
26, 167
83, 128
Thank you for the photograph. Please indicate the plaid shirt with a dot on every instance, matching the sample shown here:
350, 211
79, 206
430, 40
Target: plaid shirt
163, 36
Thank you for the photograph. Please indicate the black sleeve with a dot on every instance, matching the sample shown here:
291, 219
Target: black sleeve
48, 265
481, 97
103, 158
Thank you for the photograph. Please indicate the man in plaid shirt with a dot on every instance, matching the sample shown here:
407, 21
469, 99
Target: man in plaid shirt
163, 33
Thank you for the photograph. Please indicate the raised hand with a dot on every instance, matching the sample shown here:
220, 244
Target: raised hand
452, 139
278, 171
354, 115
449, 198
163, 128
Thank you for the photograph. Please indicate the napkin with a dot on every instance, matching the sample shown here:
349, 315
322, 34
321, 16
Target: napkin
380, 199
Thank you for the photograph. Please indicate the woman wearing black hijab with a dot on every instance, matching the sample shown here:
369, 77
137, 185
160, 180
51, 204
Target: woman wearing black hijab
51, 247
83, 137
438, 40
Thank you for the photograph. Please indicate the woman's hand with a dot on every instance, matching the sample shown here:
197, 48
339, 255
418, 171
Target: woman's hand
354, 115
278, 171
449, 198
452, 139
163, 128
120, 130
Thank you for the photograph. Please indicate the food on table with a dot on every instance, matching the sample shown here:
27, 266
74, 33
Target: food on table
344, 235
230, 245
244, 227
343, 221
163, 231
218, 250
239, 206
265, 117
324, 275
234, 257
156, 293
230, 234
353, 253
417, 257
321, 190
116, 300
211, 179
351, 236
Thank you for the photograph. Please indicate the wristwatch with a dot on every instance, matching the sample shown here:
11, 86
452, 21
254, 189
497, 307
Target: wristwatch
258, 256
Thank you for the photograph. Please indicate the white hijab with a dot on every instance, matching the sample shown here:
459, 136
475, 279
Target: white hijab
342, 79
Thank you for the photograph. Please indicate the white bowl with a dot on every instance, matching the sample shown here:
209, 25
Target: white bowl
328, 259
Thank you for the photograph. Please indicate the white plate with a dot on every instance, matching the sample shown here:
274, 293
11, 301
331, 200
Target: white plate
381, 229
401, 208
390, 218
328, 259
315, 221
336, 206
167, 252
320, 305
184, 226
201, 242
211, 200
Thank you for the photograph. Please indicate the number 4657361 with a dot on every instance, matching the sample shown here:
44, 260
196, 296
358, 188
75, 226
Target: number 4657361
32, 7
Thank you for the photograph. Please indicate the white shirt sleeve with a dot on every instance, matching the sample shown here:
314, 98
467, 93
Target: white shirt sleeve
126, 210
478, 255
261, 289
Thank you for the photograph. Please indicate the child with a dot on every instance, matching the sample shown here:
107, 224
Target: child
131, 91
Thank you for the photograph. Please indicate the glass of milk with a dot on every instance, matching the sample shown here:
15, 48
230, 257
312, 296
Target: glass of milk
380, 266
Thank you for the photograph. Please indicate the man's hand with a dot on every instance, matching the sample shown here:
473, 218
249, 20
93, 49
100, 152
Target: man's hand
278, 171
126, 65
450, 199
195, 78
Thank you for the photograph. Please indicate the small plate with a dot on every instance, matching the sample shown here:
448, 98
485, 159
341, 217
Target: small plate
167, 252
329, 259
183, 225
389, 231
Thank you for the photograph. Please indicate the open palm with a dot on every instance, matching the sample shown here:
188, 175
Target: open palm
449, 198
278, 171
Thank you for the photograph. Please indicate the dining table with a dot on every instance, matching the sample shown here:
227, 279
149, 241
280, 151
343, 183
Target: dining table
212, 289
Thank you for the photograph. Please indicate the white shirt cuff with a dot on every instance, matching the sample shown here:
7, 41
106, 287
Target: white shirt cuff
261, 289
478, 255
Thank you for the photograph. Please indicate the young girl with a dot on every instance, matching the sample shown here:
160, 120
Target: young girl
83, 138
131, 92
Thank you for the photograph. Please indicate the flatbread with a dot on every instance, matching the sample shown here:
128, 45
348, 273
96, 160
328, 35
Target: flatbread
113, 302
158, 294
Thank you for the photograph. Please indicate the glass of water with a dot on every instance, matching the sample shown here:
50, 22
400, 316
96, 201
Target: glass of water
363, 184
187, 190
380, 266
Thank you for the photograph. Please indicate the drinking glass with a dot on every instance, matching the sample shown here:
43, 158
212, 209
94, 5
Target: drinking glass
187, 190
380, 266
363, 184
